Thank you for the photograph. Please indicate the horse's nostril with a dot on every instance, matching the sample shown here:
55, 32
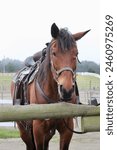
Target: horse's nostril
73, 87
66, 94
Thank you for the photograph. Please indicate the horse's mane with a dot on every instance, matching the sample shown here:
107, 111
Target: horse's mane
44, 67
65, 42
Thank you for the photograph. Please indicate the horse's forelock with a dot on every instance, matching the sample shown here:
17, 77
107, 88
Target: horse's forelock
65, 40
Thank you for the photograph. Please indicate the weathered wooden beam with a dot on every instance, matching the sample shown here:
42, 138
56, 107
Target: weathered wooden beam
44, 111
89, 123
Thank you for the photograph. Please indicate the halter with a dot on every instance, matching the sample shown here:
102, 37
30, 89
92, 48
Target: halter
58, 72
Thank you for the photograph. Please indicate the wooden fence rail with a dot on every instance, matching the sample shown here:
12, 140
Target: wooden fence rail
44, 111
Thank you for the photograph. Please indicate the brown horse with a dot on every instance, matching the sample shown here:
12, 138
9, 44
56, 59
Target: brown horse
54, 82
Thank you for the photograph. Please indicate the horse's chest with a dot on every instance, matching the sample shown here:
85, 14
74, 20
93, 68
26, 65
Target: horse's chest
53, 123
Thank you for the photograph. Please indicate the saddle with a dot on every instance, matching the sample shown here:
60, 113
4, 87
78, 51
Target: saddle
22, 79
25, 76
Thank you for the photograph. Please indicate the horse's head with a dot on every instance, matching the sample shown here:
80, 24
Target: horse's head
63, 57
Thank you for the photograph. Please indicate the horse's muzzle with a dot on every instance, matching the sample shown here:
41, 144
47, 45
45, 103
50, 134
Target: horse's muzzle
66, 95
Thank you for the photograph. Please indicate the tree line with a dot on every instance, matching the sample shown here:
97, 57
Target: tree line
10, 65
13, 65
88, 66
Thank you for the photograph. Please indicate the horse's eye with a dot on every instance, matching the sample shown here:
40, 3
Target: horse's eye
76, 54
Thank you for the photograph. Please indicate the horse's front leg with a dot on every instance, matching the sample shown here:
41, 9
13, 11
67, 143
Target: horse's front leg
65, 139
65, 135
42, 135
26, 136
38, 134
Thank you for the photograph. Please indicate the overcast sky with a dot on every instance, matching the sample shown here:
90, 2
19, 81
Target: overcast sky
25, 26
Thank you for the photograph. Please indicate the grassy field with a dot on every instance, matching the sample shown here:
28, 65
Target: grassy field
5, 83
5, 79
85, 82
6, 76
9, 132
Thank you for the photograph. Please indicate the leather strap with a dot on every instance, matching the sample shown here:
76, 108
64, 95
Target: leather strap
49, 101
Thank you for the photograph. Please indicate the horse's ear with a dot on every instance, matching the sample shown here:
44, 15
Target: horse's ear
54, 30
79, 35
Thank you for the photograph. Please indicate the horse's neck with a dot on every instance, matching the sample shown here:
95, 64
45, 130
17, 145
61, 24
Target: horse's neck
49, 86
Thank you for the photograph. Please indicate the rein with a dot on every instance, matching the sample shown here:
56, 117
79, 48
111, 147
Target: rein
76, 132
48, 100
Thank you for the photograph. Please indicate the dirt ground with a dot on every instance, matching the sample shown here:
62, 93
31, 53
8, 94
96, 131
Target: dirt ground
87, 141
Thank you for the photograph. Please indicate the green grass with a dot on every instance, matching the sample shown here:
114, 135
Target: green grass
7, 77
6, 132
10, 132
85, 82
5, 84
88, 82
